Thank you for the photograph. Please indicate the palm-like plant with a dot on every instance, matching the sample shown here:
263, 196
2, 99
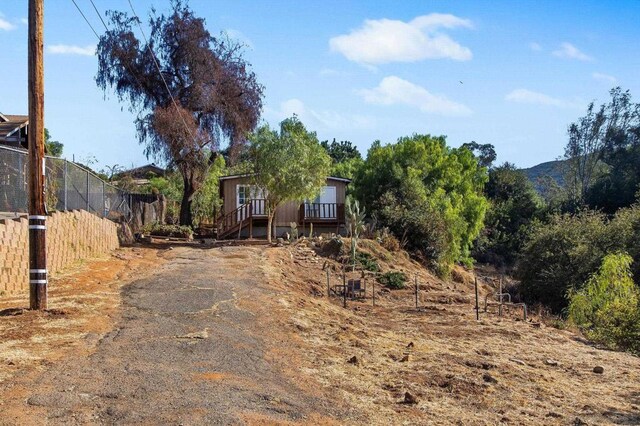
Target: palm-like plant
355, 224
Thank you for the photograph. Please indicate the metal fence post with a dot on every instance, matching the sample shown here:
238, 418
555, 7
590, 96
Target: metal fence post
103, 201
88, 204
64, 177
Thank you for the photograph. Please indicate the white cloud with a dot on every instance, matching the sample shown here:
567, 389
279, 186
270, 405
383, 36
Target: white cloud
6, 25
535, 46
65, 49
568, 50
525, 96
318, 119
386, 40
393, 90
606, 78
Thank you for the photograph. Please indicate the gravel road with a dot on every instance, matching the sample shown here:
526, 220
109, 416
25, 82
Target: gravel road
185, 350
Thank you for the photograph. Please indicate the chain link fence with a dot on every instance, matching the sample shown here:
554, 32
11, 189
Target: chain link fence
68, 187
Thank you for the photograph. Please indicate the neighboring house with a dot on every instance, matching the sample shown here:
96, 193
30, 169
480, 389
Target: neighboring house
13, 130
243, 210
142, 174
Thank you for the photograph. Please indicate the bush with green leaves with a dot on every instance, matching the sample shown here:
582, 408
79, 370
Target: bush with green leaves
559, 255
161, 230
393, 280
563, 252
367, 261
514, 204
606, 309
428, 194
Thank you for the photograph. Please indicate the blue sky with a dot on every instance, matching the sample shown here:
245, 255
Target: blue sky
513, 74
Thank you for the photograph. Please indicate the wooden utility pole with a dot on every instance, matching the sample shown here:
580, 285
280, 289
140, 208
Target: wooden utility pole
37, 208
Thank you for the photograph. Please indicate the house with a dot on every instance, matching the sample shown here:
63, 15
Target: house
13, 130
243, 210
142, 174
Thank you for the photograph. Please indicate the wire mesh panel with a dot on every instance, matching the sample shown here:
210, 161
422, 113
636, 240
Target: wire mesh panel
96, 195
54, 184
13, 181
68, 186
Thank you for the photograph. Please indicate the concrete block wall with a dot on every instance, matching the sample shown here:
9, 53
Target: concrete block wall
71, 236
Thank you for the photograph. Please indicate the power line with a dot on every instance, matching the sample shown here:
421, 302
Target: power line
153, 56
99, 16
107, 30
85, 18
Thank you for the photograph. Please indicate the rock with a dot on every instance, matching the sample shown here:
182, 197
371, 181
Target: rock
517, 361
410, 345
598, 370
579, 422
489, 378
410, 398
405, 358
354, 360
551, 362
197, 335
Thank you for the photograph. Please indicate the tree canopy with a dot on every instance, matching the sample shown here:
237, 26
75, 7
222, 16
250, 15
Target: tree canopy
53, 148
428, 194
191, 91
289, 165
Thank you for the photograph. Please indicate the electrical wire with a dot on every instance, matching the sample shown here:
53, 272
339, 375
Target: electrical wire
85, 19
153, 56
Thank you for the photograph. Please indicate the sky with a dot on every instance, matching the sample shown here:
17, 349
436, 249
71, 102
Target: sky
513, 74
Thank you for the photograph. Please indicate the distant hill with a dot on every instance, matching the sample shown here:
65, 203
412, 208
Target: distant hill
555, 169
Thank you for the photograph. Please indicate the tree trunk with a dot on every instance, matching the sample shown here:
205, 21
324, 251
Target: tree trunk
186, 218
270, 216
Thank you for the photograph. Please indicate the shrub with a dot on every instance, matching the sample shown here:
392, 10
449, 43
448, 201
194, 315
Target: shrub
393, 280
388, 240
606, 309
367, 262
176, 231
428, 194
561, 255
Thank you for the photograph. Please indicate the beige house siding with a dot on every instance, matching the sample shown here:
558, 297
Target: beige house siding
287, 212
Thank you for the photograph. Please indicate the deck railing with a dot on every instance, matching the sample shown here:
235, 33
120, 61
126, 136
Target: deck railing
241, 216
330, 212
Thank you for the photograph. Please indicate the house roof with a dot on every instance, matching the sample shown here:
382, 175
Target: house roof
249, 174
10, 123
144, 169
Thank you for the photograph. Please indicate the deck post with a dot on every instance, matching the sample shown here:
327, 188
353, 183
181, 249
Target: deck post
251, 220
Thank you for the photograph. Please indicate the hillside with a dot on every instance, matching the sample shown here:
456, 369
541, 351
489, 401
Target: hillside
554, 169
436, 364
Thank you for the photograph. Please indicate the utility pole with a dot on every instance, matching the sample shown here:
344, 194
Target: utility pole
37, 208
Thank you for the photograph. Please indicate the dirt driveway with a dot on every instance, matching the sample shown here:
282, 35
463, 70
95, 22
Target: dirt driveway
193, 344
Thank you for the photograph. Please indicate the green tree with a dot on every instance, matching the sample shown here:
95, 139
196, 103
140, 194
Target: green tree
606, 308
428, 194
514, 203
485, 153
604, 144
560, 254
52, 148
290, 165
207, 202
341, 151
190, 91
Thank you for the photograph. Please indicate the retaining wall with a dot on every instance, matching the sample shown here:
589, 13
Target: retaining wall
71, 236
